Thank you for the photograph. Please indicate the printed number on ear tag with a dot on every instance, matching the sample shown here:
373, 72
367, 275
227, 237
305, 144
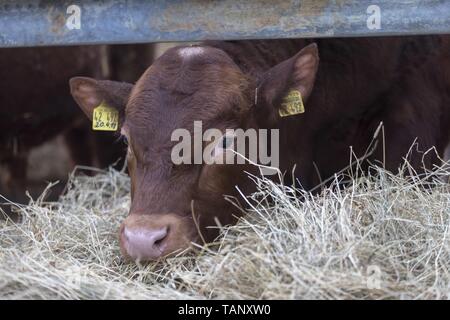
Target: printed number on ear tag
105, 118
292, 104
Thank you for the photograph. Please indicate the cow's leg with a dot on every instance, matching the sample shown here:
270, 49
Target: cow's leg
17, 177
13, 183
80, 144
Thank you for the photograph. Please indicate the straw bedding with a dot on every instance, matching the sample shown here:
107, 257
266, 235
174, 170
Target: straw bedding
383, 236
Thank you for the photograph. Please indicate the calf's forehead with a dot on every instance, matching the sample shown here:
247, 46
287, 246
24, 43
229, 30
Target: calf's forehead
185, 84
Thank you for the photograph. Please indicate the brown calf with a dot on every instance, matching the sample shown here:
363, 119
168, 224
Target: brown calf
358, 82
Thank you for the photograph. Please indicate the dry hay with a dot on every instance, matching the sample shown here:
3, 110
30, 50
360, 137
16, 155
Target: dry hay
382, 237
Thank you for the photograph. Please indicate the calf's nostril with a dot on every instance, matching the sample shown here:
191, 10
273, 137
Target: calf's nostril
159, 237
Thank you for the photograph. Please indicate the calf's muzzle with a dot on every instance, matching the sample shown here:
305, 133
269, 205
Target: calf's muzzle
147, 237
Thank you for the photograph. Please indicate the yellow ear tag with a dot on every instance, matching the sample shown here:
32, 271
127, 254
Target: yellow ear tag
292, 104
105, 118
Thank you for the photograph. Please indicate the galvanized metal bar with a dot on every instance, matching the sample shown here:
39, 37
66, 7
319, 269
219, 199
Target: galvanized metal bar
43, 22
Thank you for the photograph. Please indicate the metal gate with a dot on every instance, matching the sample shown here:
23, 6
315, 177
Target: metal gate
46, 22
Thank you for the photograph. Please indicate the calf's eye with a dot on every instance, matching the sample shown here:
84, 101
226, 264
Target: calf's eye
125, 140
227, 142
222, 148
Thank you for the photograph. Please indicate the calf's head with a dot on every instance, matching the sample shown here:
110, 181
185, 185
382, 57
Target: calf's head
175, 203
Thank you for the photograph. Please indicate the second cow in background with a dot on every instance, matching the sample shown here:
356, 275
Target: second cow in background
36, 107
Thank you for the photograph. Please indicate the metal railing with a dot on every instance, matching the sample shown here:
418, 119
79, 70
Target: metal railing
44, 22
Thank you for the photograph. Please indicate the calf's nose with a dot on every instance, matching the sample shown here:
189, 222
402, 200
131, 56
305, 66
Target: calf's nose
144, 244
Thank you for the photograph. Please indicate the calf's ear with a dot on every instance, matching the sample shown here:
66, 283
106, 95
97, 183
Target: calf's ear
90, 93
297, 73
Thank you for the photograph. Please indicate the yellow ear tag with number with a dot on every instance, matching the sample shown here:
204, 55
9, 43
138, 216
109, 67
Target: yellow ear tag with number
292, 104
105, 118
